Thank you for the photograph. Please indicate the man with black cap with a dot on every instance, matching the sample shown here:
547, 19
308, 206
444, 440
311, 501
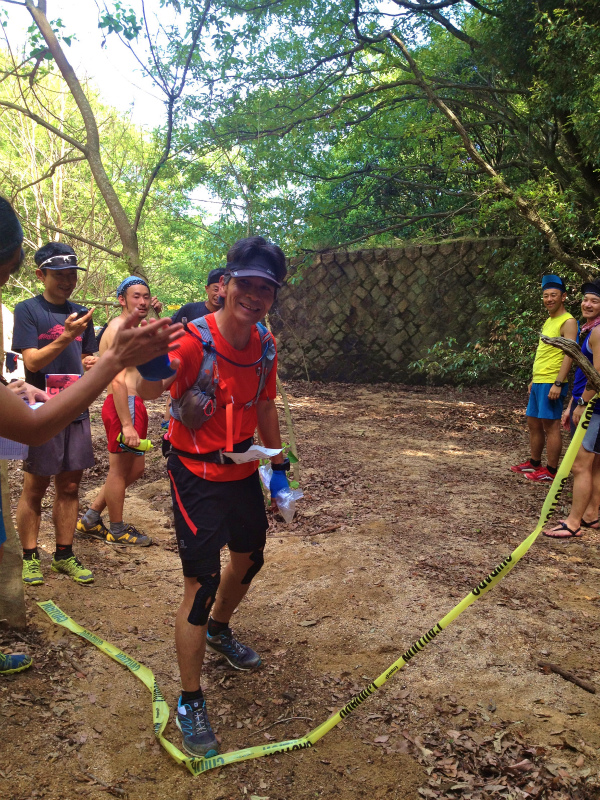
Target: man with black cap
224, 388
195, 310
586, 467
56, 339
548, 387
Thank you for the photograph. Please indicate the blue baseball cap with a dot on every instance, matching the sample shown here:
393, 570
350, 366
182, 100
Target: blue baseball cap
553, 282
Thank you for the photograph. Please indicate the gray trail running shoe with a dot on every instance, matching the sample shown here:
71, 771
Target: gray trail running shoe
130, 535
198, 737
238, 655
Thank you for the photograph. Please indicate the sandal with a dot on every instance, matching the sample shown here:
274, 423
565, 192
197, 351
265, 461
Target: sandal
562, 531
594, 524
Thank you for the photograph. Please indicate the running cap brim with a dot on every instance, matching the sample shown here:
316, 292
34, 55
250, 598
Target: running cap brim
591, 288
254, 270
61, 262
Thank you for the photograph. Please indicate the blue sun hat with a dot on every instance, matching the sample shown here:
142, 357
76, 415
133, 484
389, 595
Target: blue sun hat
553, 282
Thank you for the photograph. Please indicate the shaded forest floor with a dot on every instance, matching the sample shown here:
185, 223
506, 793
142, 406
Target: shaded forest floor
408, 504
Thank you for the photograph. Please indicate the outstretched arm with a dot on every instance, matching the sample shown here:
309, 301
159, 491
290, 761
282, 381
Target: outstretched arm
131, 346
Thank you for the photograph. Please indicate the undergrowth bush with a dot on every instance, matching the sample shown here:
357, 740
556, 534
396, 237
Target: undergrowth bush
510, 317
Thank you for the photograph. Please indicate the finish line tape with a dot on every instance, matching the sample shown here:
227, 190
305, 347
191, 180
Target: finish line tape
160, 709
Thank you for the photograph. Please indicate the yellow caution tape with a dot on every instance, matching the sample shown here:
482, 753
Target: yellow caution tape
160, 709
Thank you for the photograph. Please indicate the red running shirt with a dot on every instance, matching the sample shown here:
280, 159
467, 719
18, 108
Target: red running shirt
237, 383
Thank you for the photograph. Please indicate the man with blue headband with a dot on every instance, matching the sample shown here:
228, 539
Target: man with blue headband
548, 386
126, 423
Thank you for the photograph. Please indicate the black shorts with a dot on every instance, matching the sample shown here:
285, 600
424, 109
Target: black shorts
212, 514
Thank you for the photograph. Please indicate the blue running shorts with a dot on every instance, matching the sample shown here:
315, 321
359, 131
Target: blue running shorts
591, 440
540, 406
2, 528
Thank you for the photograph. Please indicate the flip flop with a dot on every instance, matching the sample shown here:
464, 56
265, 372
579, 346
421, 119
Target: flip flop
555, 533
594, 524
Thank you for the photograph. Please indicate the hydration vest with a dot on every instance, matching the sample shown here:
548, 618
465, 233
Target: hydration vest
198, 403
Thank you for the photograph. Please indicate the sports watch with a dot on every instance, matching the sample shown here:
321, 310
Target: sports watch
558, 383
581, 401
285, 466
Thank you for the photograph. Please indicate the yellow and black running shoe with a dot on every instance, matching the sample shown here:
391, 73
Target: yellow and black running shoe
97, 531
130, 535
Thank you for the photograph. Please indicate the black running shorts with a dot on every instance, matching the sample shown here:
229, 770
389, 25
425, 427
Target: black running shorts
212, 514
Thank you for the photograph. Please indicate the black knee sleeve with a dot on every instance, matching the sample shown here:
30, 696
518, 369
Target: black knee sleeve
257, 561
204, 599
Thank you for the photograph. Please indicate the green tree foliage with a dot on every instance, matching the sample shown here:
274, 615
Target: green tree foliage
354, 136
51, 186
355, 123
420, 120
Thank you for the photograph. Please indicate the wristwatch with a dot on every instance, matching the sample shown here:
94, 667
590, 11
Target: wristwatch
581, 401
558, 383
285, 466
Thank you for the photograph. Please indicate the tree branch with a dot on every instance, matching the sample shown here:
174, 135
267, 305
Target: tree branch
41, 121
173, 95
79, 238
407, 220
126, 232
50, 172
524, 208
573, 350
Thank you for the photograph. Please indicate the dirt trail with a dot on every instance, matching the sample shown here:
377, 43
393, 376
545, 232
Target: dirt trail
412, 491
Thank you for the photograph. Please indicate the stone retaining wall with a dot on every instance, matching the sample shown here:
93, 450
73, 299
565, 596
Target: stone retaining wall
366, 315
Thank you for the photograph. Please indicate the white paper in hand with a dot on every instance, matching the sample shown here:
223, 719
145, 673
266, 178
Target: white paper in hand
253, 453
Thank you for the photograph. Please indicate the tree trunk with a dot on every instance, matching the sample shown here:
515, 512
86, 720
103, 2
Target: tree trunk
12, 596
126, 231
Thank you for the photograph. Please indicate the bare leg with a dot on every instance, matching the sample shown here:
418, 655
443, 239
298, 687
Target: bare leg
553, 441
231, 589
123, 470
582, 487
190, 640
591, 512
66, 505
536, 437
29, 509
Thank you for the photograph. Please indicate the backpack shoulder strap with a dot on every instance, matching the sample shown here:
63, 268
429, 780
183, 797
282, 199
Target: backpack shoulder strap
208, 374
268, 345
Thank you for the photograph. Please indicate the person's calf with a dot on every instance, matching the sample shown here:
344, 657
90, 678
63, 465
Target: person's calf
553, 442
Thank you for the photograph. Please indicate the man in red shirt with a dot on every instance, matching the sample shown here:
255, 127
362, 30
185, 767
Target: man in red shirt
215, 503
